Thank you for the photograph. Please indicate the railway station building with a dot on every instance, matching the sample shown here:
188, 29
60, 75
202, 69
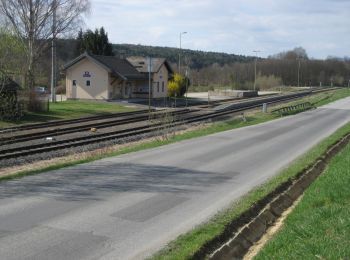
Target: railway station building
99, 77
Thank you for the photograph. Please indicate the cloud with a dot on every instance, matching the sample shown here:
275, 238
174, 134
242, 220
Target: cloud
240, 26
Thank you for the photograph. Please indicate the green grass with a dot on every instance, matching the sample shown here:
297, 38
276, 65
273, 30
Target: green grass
319, 227
186, 245
324, 98
315, 100
69, 110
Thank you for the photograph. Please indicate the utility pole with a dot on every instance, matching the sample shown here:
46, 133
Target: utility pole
180, 52
298, 70
149, 86
53, 53
256, 58
187, 79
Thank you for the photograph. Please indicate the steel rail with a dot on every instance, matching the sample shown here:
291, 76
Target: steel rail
68, 121
84, 127
113, 122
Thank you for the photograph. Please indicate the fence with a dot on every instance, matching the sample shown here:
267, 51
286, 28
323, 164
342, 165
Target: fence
293, 109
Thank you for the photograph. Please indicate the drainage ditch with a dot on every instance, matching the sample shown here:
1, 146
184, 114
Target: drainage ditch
243, 232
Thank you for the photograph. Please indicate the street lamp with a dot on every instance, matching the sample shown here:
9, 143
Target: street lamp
256, 57
180, 52
299, 59
53, 53
187, 79
149, 86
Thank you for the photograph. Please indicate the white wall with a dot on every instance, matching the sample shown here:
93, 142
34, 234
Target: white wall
161, 76
99, 85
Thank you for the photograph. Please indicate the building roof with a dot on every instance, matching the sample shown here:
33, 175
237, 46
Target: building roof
142, 63
119, 67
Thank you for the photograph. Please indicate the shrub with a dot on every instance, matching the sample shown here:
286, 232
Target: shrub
61, 90
178, 84
267, 82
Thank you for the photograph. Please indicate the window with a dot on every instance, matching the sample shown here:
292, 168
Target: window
157, 86
163, 86
88, 83
74, 82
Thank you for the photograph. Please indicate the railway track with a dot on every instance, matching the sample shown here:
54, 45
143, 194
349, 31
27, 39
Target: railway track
56, 123
185, 118
69, 121
102, 123
62, 127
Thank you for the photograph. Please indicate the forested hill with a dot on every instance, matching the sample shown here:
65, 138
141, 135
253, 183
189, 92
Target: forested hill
66, 49
195, 59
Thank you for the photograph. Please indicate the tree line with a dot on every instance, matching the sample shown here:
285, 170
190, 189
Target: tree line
291, 68
194, 58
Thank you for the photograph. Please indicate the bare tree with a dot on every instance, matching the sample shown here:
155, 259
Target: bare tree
32, 21
11, 55
11, 60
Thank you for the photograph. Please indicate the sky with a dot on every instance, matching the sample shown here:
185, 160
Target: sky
322, 27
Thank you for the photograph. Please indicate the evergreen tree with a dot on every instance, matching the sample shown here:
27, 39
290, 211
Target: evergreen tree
79, 49
94, 42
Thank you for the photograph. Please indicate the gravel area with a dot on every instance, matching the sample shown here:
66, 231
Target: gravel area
74, 150
71, 136
75, 135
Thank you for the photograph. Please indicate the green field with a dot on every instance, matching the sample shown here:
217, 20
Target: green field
68, 110
319, 227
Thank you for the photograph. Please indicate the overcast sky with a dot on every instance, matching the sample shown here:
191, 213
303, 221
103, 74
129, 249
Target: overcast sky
322, 27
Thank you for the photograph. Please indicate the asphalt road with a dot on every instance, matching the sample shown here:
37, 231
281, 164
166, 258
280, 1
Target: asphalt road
129, 206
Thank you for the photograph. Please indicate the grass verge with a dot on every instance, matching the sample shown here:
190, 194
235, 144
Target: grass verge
186, 245
324, 98
319, 226
253, 119
68, 110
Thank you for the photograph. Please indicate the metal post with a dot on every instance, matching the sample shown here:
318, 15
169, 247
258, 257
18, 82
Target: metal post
186, 78
53, 53
149, 86
256, 58
298, 71
180, 52
255, 74
180, 56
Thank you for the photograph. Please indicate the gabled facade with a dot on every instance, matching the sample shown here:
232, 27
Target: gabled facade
161, 72
107, 77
